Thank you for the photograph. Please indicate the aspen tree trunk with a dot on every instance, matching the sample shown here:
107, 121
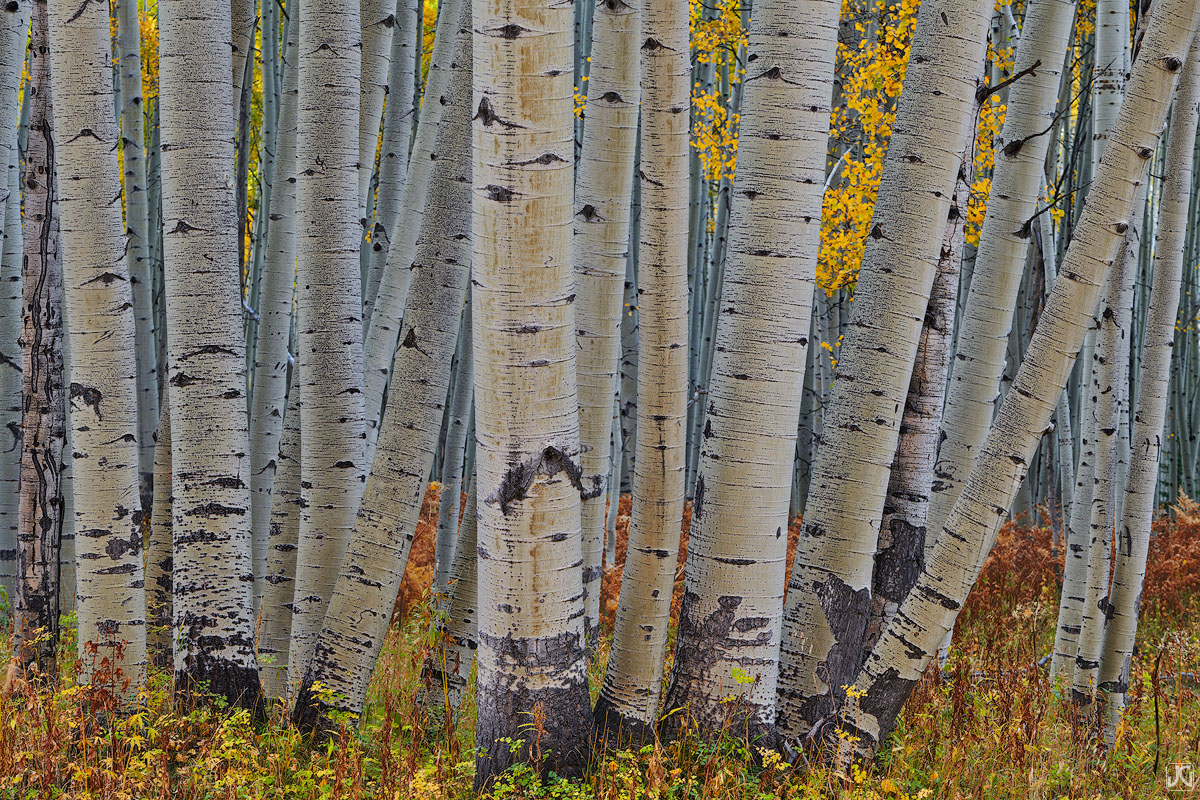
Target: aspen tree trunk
329, 330
731, 618
603, 192
378, 25
275, 630
458, 423
212, 563
270, 384
393, 152
1108, 83
101, 342
14, 32
829, 594
628, 704
242, 23
365, 594
448, 666
1112, 371
1000, 261
903, 539
387, 313
137, 228
531, 656
1134, 538
43, 424
159, 550
911, 641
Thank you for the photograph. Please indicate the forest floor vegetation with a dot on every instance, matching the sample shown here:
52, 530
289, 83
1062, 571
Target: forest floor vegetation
987, 725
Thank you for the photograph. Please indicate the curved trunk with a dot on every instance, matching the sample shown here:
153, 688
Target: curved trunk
365, 593
43, 423
212, 564
531, 653
732, 613
101, 344
329, 330
137, 228
829, 592
603, 190
1134, 539
1020, 155
457, 426
911, 641
628, 704
242, 23
270, 384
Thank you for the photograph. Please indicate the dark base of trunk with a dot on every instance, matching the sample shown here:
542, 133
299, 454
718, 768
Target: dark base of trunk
615, 731
237, 683
553, 726
311, 714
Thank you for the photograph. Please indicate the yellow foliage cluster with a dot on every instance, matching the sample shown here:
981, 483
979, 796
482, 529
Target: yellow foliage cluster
717, 36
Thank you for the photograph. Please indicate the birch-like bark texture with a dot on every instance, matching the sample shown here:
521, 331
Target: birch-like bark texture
458, 424
393, 148
378, 25
603, 190
14, 31
531, 656
628, 704
365, 594
100, 340
43, 425
1133, 540
268, 391
911, 641
137, 229
731, 618
1000, 261
1112, 371
903, 539
329, 330
159, 549
243, 19
212, 563
383, 330
448, 666
275, 629
829, 593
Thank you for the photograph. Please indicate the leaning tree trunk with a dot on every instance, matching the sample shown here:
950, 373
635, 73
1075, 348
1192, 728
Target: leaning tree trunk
908, 645
628, 704
829, 593
268, 390
1133, 540
329, 312
603, 189
365, 594
213, 577
378, 22
100, 341
531, 657
458, 423
731, 618
1000, 261
43, 425
275, 631
137, 228
14, 31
